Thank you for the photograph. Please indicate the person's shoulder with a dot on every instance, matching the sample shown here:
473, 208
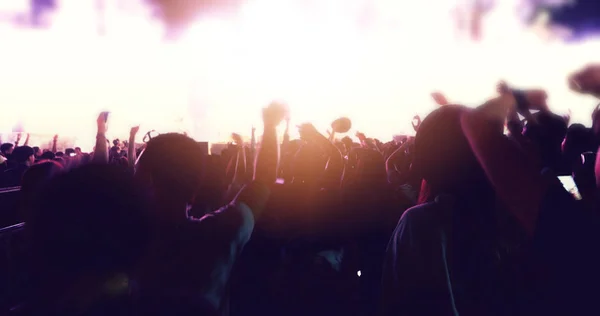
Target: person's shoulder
422, 212
233, 219
253, 197
428, 216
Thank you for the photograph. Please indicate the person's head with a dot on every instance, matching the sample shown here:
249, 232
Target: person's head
23, 155
578, 140
308, 164
61, 161
6, 149
48, 155
85, 227
85, 159
548, 133
60, 154
116, 142
78, 151
443, 156
114, 153
170, 169
347, 141
69, 152
37, 151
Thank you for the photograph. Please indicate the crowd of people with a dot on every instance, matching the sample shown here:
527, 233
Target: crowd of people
468, 217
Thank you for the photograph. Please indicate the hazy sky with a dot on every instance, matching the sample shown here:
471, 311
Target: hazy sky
321, 59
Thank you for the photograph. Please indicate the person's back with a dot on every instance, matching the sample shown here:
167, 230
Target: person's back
190, 261
441, 263
443, 257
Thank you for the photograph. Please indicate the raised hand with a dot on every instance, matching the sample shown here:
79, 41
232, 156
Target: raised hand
19, 137
274, 114
502, 88
361, 136
416, 122
587, 80
568, 116
55, 138
133, 131
439, 98
101, 122
237, 139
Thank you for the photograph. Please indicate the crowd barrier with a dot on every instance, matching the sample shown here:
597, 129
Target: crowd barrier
9, 206
13, 272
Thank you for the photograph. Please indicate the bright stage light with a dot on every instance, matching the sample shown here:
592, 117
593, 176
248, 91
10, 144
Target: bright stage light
322, 63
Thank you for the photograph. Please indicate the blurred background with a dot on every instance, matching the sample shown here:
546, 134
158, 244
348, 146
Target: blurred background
377, 61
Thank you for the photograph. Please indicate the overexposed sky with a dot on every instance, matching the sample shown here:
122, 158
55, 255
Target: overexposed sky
325, 58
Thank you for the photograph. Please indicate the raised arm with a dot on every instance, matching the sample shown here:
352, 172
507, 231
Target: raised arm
265, 170
131, 154
27, 140
286, 133
101, 152
390, 163
335, 165
54, 141
239, 176
515, 177
253, 143
285, 144
18, 140
256, 194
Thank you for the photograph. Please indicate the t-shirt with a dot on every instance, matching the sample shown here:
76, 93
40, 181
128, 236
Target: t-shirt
415, 275
192, 266
436, 265
559, 274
